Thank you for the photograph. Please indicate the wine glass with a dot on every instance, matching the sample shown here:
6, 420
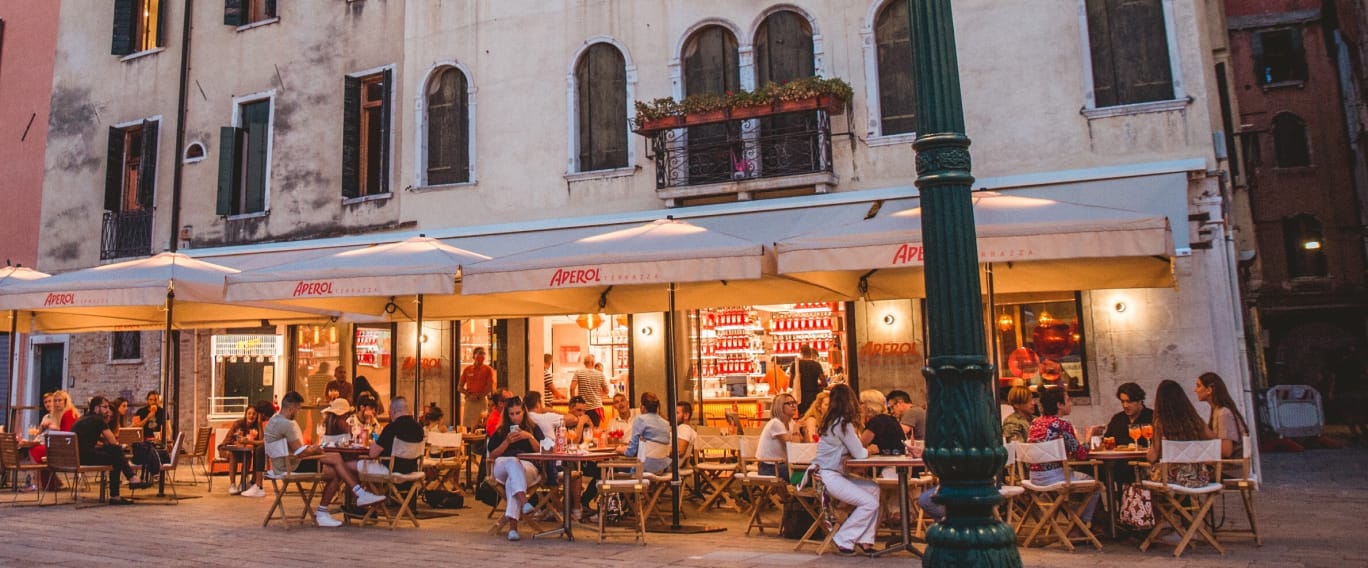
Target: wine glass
1134, 430
1148, 432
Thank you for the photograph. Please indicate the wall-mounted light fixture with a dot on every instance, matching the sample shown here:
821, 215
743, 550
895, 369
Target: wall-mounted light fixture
1120, 307
1311, 245
889, 319
648, 330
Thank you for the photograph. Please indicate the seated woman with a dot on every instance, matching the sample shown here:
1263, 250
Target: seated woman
883, 434
432, 419
119, 419
839, 441
335, 427
60, 418
1225, 421
517, 434
812, 419
246, 431
1055, 404
1176, 419
363, 424
779, 431
1017, 425
362, 389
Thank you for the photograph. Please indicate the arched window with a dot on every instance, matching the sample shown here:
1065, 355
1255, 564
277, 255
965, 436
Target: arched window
783, 48
897, 105
711, 65
1289, 141
1305, 244
601, 89
448, 128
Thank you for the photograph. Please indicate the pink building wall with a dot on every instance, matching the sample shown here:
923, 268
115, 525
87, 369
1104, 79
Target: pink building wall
26, 57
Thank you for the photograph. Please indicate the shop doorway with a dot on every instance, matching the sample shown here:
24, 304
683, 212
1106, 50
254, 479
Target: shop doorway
250, 380
50, 366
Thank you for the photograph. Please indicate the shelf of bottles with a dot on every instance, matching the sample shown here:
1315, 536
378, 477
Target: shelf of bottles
729, 342
812, 324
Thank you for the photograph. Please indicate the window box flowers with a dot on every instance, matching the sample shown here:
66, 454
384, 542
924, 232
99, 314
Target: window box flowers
807, 94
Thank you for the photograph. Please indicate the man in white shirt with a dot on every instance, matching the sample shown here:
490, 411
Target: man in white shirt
544, 417
686, 432
623, 413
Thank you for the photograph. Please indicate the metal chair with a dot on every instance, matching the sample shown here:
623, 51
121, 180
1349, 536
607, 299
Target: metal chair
281, 479
401, 487
1185, 508
64, 457
1054, 504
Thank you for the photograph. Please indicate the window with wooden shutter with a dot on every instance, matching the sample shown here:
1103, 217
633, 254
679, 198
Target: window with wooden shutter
365, 135
230, 171
1290, 148
1128, 41
114, 170
601, 84
147, 167
138, 26
897, 102
244, 12
1279, 56
783, 52
125, 346
351, 137
711, 65
448, 128
244, 160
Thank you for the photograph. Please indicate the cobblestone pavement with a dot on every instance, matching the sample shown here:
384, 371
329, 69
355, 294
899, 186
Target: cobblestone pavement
1311, 510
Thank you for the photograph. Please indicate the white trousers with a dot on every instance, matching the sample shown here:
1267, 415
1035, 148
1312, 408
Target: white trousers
863, 494
515, 475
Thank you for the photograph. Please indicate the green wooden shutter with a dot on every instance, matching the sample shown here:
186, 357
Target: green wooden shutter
351, 137
161, 23
1100, 49
386, 115
123, 27
229, 178
1257, 51
234, 13
270, 8
147, 170
114, 170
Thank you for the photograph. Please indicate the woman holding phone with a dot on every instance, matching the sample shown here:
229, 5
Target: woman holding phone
517, 434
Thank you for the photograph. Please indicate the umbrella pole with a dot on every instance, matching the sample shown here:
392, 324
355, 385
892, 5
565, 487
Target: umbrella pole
9, 373
167, 350
671, 387
418, 354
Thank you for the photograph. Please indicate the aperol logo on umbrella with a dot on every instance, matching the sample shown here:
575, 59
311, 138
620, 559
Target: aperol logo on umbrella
563, 277
908, 254
318, 288
55, 299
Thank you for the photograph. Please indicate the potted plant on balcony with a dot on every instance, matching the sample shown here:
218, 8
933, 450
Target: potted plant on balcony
812, 93
704, 108
809, 93
660, 114
752, 104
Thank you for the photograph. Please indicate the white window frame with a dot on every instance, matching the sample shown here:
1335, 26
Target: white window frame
421, 132
270, 96
394, 98
1180, 97
869, 45
114, 361
573, 171
185, 154
31, 394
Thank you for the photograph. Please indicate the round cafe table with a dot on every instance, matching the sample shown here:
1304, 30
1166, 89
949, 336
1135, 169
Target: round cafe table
566, 458
903, 465
240, 454
1112, 459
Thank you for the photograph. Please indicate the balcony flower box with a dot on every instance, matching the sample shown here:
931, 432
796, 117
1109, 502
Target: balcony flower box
807, 94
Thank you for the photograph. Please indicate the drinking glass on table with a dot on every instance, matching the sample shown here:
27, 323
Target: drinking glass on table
1134, 432
1148, 432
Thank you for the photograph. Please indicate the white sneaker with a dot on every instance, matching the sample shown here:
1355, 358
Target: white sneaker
234, 489
326, 520
527, 509
254, 491
514, 536
365, 498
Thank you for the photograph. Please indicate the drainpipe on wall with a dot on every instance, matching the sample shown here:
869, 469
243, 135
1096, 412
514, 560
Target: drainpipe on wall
178, 166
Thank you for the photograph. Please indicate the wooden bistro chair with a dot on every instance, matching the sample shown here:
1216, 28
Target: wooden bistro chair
659, 490
809, 495
633, 489
534, 486
1185, 508
224, 457
1058, 506
1014, 504
64, 457
401, 487
445, 457
12, 466
765, 491
716, 469
1246, 483
199, 453
305, 483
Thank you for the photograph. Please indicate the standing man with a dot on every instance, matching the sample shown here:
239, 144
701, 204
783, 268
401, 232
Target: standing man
477, 381
549, 390
590, 384
335, 472
151, 417
340, 384
811, 377
97, 445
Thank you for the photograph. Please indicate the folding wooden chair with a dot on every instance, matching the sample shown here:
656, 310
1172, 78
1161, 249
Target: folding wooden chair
220, 435
716, 468
12, 466
659, 482
445, 458
199, 453
763, 490
534, 485
282, 479
64, 457
1185, 508
633, 490
1056, 505
401, 487
809, 495
1013, 510
1246, 483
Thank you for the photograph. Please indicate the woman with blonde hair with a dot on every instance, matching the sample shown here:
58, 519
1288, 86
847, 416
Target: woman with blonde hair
779, 431
814, 415
61, 416
1017, 426
882, 432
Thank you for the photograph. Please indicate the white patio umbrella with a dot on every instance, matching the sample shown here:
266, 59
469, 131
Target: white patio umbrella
10, 275
631, 267
167, 290
1041, 244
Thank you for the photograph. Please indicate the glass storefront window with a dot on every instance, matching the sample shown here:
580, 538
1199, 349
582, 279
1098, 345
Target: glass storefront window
436, 369
604, 336
1039, 341
318, 352
243, 371
373, 354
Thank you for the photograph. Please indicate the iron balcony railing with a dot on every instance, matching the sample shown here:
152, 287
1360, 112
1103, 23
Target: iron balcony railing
777, 145
126, 234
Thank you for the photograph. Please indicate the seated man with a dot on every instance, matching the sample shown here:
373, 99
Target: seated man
402, 426
578, 428
622, 415
99, 446
648, 426
685, 432
283, 426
